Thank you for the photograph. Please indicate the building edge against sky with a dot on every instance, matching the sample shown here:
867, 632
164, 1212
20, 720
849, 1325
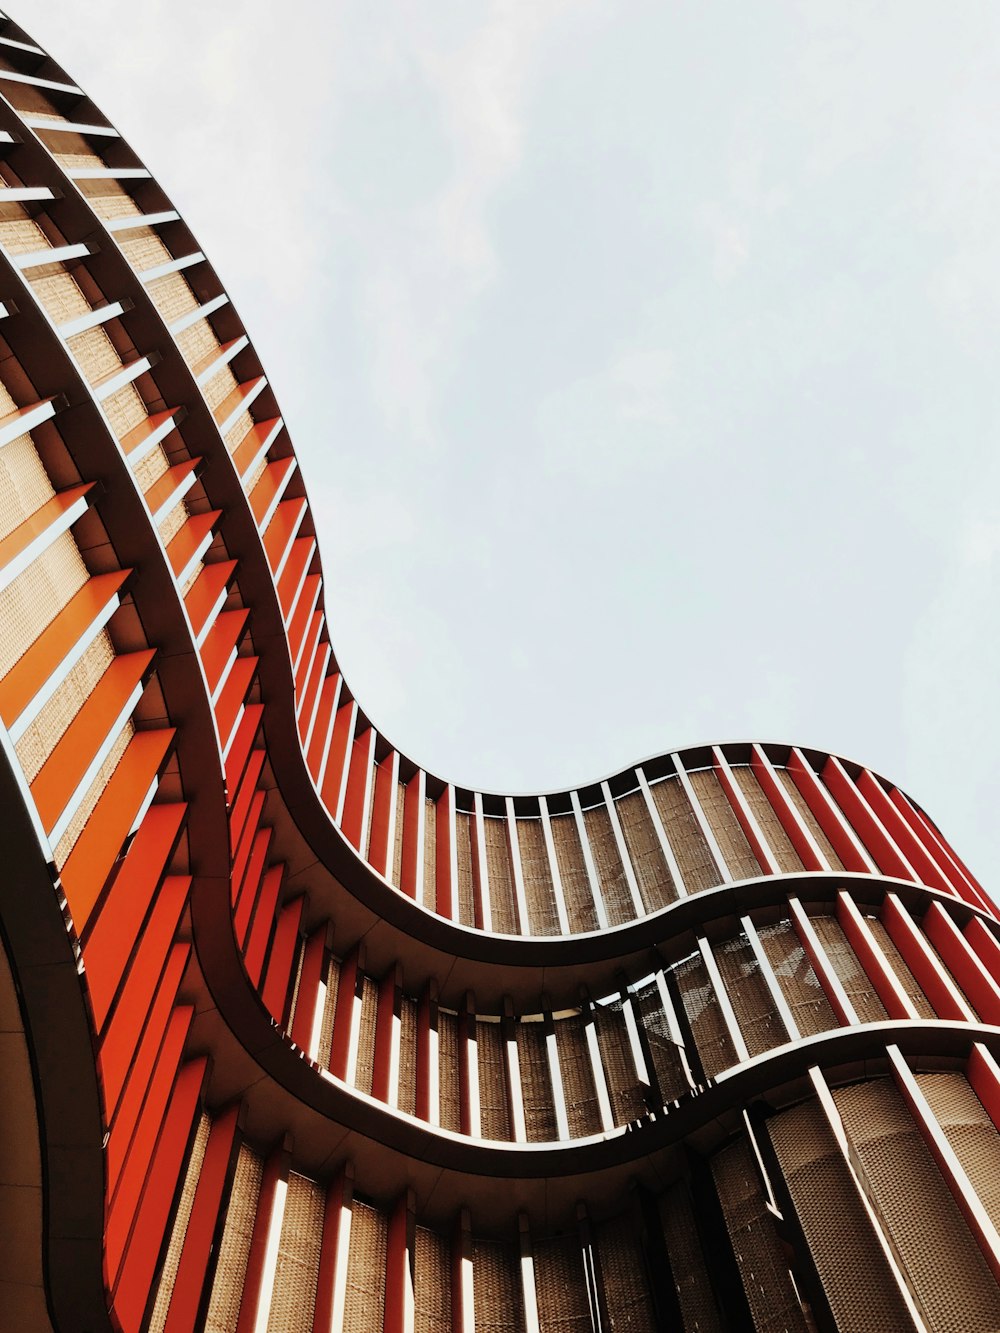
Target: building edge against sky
302, 1037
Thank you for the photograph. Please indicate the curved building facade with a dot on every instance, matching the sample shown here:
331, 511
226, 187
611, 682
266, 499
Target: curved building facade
300, 1036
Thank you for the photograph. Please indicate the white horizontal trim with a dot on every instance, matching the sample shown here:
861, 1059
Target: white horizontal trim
174, 266
129, 221
21, 46
106, 387
70, 127
58, 254
91, 319
43, 541
107, 173
25, 194
199, 312
27, 418
226, 355
259, 386
11, 76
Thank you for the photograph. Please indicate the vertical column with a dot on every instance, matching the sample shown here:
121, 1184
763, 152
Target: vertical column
258, 1284
514, 848
312, 991
480, 870
588, 861
661, 834
531, 1324
385, 1067
725, 1005
775, 992
965, 965
428, 1105
833, 988
555, 1073
557, 889
746, 817
331, 1288
515, 1094
597, 1064
463, 1309
800, 835
923, 963
704, 826
883, 978
468, 1067
347, 1016
638, 906
411, 872
843, 839
446, 867
398, 1317
382, 832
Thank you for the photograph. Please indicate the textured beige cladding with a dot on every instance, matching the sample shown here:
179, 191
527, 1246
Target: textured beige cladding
234, 1248
125, 410
219, 387
294, 1295
238, 431
35, 597
43, 735
77, 157
22, 235
143, 248
172, 296
115, 205
366, 1269
171, 1263
24, 483
60, 294
197, 342
95, 354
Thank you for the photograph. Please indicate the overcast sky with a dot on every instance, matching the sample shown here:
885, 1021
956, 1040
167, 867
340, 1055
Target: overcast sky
641, 358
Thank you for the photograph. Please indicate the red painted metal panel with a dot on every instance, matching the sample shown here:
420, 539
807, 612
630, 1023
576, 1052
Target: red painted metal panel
168, 484
244, 797
358, 774
293, 578
132, 440
124, 1200
276, 992
233, 695
269, 486
383, 803
820, 964
443, 850
338, 1199
243, 850
850, 800
263, 920
411, 867
116, 929
62, 772
809, 786
313, 971
282, 530
203, 1223
347, 987
246, 897
308, 653
897, 827
779, 802
240, 749
871, 959
397, 1269
18, 541
388, 1007
906, 937
339, 742
220, 644
426, 1023
135, 1286
305, 604
316, 754
205, 593
97, 848
117, 1047
985, 944
983, 1074
971, 976
233, 401
253, 441
49, 650
181, 549
759, 848
317, 675
130, 1107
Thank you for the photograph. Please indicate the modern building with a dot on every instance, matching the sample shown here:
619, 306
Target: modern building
300, 1037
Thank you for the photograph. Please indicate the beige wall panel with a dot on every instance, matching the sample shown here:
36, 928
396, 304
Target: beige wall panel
502, 903
294, 1298
464, 833
573, 874
619, 1068
24, 483
538, 890
449, 1075
365, 1305
687, 1262
763, 811
904, 976
407, 1094
430, 855
561, 1286
760, 1026
851, 1265
493, 1113
686, 839
234, 1248
799, 983
651, 872
178, 1230
582, 1110
662, 1048
431, 1282
60, 295
723, 822
496, 1279
536, 1087
712, 1039
366, 1036
759, 1254
41, 737
947, 1270
844, 961
608, 863
809, 819
625, 1284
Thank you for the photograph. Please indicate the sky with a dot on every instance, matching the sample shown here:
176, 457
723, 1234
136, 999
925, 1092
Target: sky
640, 358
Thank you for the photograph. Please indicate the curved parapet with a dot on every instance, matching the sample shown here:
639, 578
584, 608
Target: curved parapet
346, 1045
